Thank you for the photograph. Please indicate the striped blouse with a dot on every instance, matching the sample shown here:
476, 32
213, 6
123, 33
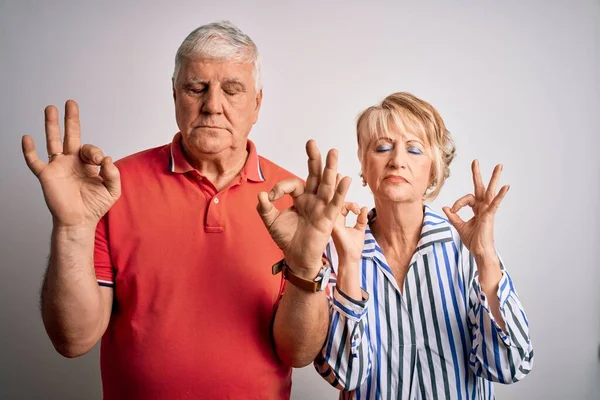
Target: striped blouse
436, 339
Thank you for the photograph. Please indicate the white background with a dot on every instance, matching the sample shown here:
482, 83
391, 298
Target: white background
516, 82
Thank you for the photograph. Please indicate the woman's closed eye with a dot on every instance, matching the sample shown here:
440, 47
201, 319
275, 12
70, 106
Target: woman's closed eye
414, 150
383, 148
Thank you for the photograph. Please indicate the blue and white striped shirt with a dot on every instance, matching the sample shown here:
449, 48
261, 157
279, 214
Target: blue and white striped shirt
436, 339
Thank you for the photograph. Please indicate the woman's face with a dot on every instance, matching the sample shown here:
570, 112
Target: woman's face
397, 167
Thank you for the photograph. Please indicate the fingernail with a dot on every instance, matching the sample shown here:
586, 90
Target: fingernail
97, 159
271, 195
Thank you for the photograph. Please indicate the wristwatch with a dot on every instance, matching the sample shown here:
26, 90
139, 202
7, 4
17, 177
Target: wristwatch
317, 285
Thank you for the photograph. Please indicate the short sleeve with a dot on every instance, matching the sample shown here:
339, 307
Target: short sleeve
102, 260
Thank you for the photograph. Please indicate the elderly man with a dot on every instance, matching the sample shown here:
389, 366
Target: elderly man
162, 254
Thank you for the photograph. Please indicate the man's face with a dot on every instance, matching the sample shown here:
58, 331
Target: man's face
216, 105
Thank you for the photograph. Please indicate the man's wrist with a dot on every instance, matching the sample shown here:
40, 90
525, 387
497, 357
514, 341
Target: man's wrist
308, 281
305, 270
78, 234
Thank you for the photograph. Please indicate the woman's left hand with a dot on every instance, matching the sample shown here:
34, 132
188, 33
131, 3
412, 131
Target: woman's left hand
478, 232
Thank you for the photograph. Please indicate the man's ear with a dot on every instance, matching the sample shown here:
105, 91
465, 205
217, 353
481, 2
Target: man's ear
173, 87
259, 97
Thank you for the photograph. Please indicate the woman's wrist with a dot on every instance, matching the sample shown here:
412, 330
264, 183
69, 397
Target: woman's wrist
347, 280
489, 271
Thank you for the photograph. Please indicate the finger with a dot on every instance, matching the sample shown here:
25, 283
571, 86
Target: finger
294, 187
454, 218
328, 179
351, 206
466, 200
91, 154
111, 177
267, 211
72, 128
53, 142
477, 182
337, 202
31, 158
495, 204
490, 193
340, 221
314, 167
344, 211
362, 219
346, 207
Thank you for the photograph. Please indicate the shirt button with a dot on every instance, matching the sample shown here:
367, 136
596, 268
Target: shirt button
216, 200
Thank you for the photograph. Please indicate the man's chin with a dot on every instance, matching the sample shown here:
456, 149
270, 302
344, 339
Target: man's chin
210, 142
208, 147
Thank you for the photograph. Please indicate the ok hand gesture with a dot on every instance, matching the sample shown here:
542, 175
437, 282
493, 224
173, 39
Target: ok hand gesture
303, 231
478, 232
75, 192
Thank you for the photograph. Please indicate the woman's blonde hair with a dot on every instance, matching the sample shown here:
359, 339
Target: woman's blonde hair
407, 113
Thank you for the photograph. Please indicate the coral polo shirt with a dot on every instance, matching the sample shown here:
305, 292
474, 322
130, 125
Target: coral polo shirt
191, 272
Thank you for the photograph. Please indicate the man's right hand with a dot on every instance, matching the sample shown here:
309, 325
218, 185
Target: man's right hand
77, 194
303, 231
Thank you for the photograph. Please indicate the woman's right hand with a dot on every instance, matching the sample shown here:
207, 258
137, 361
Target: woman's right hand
349, 240
76, 193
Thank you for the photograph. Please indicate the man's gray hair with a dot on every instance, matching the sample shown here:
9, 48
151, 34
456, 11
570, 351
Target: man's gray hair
220, 41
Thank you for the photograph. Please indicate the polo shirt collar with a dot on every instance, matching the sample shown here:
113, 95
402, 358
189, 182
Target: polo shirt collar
179, 164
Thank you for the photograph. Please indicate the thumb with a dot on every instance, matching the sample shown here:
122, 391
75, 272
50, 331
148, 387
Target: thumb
111, 176
362, 219
267, 211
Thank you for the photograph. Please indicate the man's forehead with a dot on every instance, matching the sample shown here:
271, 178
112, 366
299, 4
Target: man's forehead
203, 71
204, 64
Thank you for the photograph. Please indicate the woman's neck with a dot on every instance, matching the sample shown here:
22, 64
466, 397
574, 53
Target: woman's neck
397, 227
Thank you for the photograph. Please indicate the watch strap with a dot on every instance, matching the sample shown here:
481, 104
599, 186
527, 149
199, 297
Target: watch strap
312, 286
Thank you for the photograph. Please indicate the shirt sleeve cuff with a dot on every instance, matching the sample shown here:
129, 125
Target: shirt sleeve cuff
349, 307
503, 293
105, 283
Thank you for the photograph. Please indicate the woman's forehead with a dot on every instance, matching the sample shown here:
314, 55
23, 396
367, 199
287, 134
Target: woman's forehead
392, 132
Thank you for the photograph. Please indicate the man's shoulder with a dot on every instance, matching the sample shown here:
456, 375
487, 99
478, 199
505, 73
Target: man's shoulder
145, 158
273, 171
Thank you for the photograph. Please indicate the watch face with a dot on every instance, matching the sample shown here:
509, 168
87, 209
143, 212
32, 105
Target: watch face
325, 278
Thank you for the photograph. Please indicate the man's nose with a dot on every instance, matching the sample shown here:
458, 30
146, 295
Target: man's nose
213, 101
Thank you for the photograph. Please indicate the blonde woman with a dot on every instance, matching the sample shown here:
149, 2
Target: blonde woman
418, 305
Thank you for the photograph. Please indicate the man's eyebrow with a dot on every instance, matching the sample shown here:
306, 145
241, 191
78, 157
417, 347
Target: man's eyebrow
196, 80
234, 82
